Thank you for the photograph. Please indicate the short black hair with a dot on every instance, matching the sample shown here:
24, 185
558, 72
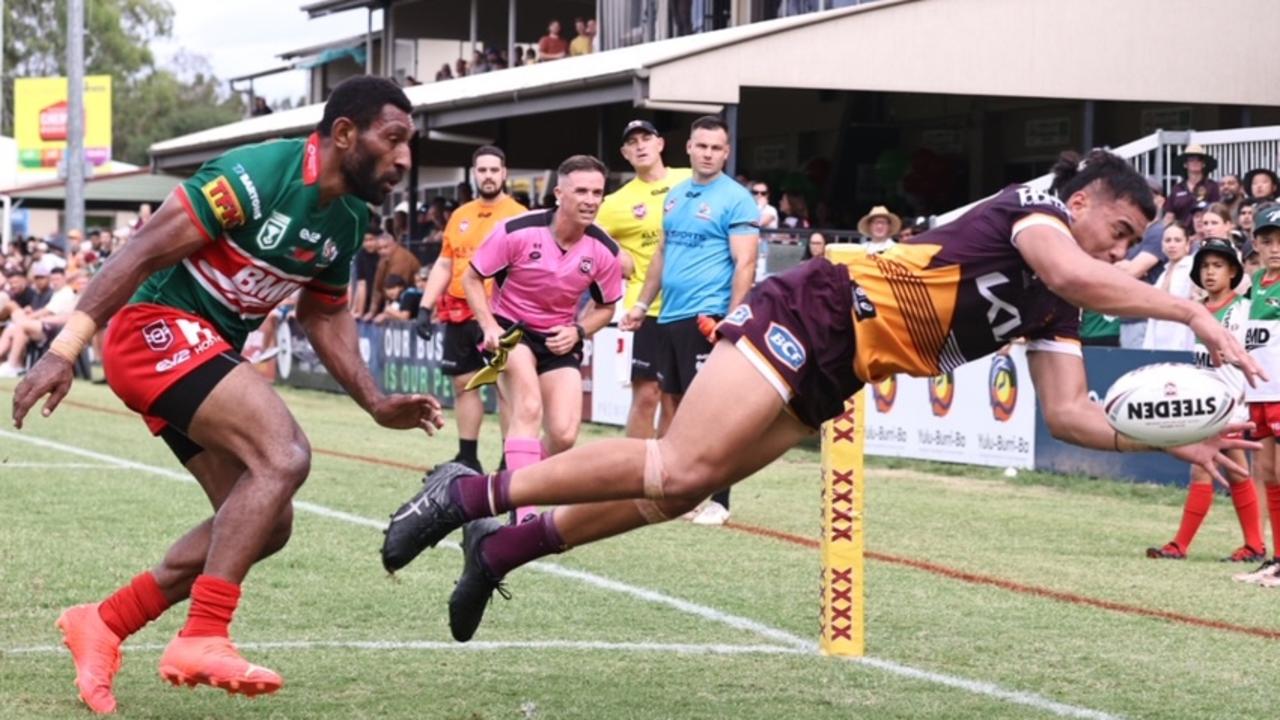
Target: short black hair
360, 99
1119, 179
58, 271
581, 163
394, 280
709, 122
493, 150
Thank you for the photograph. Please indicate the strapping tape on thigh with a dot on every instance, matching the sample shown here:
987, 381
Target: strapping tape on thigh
655, 475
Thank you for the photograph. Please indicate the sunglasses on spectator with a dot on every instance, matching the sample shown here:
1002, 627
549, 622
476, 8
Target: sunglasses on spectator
759, 192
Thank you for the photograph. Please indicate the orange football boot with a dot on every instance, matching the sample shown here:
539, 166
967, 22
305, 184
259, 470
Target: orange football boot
215, 661
95, 650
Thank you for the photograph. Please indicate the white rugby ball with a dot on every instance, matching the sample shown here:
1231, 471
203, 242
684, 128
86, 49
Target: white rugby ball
1168, 404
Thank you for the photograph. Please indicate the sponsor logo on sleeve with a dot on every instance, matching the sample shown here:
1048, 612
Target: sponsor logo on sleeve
224, 203
273, 230
739, 316
784, 346
158, 335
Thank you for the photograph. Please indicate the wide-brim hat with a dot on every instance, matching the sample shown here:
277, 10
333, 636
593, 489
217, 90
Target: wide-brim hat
1249, 176
1196, 150
1223, 248
895, 222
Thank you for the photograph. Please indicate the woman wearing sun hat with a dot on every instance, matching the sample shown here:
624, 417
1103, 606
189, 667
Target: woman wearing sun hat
1195, 187
878, 227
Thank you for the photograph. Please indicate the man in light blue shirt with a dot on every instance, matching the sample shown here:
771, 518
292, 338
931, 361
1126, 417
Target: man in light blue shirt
705, 264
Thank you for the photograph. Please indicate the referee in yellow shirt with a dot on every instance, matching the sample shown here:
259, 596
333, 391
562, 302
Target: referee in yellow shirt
633, 217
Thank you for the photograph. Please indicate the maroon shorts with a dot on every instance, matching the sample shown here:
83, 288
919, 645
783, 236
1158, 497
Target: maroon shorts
149, 348
797, 329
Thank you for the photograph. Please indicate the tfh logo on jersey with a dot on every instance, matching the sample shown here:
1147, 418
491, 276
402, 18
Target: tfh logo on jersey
585, 266
222, 200
273, 230
158, 336
784, 346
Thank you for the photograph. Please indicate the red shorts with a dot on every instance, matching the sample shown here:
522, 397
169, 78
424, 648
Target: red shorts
148, 348
1265, 417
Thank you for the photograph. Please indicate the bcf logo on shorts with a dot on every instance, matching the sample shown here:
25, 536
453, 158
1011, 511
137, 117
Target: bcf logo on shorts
784, 346
158, 336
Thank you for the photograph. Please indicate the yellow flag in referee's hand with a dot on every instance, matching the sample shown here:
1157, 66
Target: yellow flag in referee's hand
498, 361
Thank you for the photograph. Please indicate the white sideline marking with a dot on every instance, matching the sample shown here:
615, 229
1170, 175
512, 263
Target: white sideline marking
675, 648
793, 642
30, 465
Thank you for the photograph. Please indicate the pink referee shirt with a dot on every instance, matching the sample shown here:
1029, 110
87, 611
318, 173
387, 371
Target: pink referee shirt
539, 284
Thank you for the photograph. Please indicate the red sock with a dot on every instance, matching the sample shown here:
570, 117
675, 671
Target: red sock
1245, 497
1273, 509
131, 607
1199, 500
213, 602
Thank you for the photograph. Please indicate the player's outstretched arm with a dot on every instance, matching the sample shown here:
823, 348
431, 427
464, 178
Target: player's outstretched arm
332, 332
1095, 285
168, 237
1063, 392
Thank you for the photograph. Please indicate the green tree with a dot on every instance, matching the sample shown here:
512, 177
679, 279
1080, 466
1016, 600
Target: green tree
150, 103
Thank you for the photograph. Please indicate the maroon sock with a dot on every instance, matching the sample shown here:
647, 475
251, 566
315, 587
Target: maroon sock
133, 606
515, 545
472, 493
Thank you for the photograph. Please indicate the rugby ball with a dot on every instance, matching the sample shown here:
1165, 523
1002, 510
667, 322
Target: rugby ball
1169, 404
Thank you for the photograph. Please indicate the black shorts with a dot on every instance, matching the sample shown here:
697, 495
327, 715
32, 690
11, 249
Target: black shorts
796, 328
461, 354
646, 348
177, 406
544, 360
683, 350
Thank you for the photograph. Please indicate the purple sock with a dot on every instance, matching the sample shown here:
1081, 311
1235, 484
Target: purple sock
472, 493
515, 545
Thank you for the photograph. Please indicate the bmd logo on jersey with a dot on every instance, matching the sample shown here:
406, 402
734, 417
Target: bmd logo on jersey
1002, 384
784, 346
222, 200
158, 335
942, 391
885, 392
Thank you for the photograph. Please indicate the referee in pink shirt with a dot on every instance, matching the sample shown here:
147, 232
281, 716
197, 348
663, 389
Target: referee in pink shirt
542, 263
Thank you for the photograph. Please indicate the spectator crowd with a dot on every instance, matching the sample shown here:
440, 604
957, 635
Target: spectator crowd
551, 46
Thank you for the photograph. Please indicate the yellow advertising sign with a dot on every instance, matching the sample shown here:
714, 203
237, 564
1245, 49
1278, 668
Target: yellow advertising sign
40, 121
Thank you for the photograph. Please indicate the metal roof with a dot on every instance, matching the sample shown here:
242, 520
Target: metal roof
123, 191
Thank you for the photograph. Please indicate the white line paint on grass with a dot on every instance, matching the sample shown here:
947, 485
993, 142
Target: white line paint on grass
475, 646
791, 641
59, 466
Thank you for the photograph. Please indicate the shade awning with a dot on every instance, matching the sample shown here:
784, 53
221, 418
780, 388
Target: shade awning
1009, 48
121, 191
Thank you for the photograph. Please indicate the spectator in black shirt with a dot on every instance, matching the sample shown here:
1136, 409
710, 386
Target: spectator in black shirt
364, 268
41, 288
19, 289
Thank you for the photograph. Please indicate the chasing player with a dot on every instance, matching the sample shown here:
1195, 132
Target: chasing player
248, 230
1262, 338
469, 225
1217, 269
1016, 265
633, 217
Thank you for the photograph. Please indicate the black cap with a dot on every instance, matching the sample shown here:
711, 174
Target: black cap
1266, 216
638, 126
1222, 248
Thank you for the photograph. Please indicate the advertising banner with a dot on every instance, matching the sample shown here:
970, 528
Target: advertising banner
983, 413
1104, 366
400, 360
40, 121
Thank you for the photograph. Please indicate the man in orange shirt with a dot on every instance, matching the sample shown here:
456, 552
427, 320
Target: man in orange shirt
468, 227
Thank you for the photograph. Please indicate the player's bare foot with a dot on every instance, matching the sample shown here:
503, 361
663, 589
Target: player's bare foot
215, 661
96, 653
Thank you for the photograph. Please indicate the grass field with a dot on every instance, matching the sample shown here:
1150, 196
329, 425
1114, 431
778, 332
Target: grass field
986, 597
